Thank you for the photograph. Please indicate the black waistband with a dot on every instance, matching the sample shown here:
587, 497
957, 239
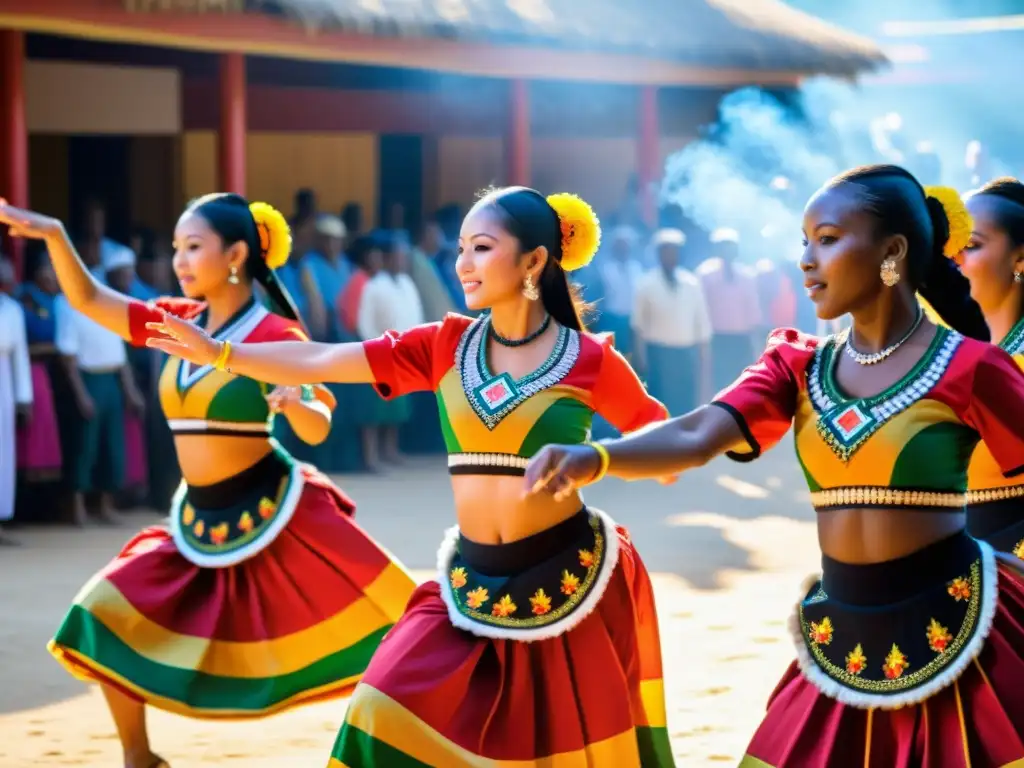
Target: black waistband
896, 580
261, 478
517, 556
991, 517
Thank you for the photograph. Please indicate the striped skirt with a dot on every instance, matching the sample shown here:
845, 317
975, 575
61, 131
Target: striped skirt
912, 663
296, 621
544, 651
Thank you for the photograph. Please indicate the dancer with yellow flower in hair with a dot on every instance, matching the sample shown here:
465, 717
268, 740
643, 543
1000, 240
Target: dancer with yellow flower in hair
264, 593
910, 644
538, 640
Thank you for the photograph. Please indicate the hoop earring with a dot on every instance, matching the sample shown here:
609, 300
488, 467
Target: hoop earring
889, 274
530, 289
233, 277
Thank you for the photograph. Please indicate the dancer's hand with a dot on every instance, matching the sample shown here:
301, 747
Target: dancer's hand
561, 469
283, 399
25, 223
185, 340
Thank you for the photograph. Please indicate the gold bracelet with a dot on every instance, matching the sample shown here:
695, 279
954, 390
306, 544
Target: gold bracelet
602, 452
221, 362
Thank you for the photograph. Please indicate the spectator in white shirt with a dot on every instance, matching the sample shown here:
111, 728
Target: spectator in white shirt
734, 303
95, 362
620, 270
672, 330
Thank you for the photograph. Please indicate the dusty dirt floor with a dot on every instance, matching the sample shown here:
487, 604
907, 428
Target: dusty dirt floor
727, 546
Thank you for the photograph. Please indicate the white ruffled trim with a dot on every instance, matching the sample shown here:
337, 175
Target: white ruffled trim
841, 693
285, 510
446, 554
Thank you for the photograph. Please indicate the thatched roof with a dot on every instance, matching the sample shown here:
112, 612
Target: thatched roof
747, 34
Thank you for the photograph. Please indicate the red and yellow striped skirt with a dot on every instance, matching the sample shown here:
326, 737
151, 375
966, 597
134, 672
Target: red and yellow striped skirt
544, 651
296, 622
913, 663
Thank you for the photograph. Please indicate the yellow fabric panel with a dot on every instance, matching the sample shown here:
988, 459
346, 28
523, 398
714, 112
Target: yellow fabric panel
508, 436
873, 462
225, 658
386, 720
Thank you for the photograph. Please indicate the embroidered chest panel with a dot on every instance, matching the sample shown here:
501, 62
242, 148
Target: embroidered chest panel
494, 397
846, 424
1014, 341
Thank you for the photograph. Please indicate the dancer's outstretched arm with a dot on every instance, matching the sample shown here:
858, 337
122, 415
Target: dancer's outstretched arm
98, 302
745, 419
662, 449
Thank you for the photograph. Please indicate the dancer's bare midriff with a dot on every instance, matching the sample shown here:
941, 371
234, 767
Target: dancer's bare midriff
876, 535
209, 459
492, 509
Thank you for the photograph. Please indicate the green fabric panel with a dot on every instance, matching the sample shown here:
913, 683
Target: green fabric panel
358, 749
451, 440
936, 458
240, 400
83, 633
566, 421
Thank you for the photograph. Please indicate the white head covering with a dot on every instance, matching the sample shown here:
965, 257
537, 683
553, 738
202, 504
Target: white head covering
329, 225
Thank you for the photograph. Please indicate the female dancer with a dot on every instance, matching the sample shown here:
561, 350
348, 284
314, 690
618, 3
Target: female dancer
539, 637
909, 645
264, 594
994, 263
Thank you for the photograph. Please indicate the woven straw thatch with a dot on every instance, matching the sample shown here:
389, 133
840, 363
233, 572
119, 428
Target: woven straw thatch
747, 34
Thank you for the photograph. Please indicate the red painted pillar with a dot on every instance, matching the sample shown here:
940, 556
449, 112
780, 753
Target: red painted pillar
649, 153
517, 143
232, 123
14, 130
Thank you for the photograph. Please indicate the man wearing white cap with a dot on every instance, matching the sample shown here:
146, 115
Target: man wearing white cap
324, 274
672, 329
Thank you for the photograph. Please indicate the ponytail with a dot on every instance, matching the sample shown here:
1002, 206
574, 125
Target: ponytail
944, 286
560, 299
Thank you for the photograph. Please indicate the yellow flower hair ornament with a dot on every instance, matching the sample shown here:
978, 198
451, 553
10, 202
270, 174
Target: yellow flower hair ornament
275, 234
960, 224
581, 230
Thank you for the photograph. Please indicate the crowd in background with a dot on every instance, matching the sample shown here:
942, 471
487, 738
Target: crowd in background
90, 437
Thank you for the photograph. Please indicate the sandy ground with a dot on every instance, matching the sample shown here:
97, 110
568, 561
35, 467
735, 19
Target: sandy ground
727, 547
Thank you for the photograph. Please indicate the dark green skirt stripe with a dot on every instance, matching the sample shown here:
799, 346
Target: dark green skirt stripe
357, 749
84, 634
655, 747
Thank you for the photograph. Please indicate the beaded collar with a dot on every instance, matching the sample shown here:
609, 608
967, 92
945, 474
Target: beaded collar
845, 423
494, 397
1014, 341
